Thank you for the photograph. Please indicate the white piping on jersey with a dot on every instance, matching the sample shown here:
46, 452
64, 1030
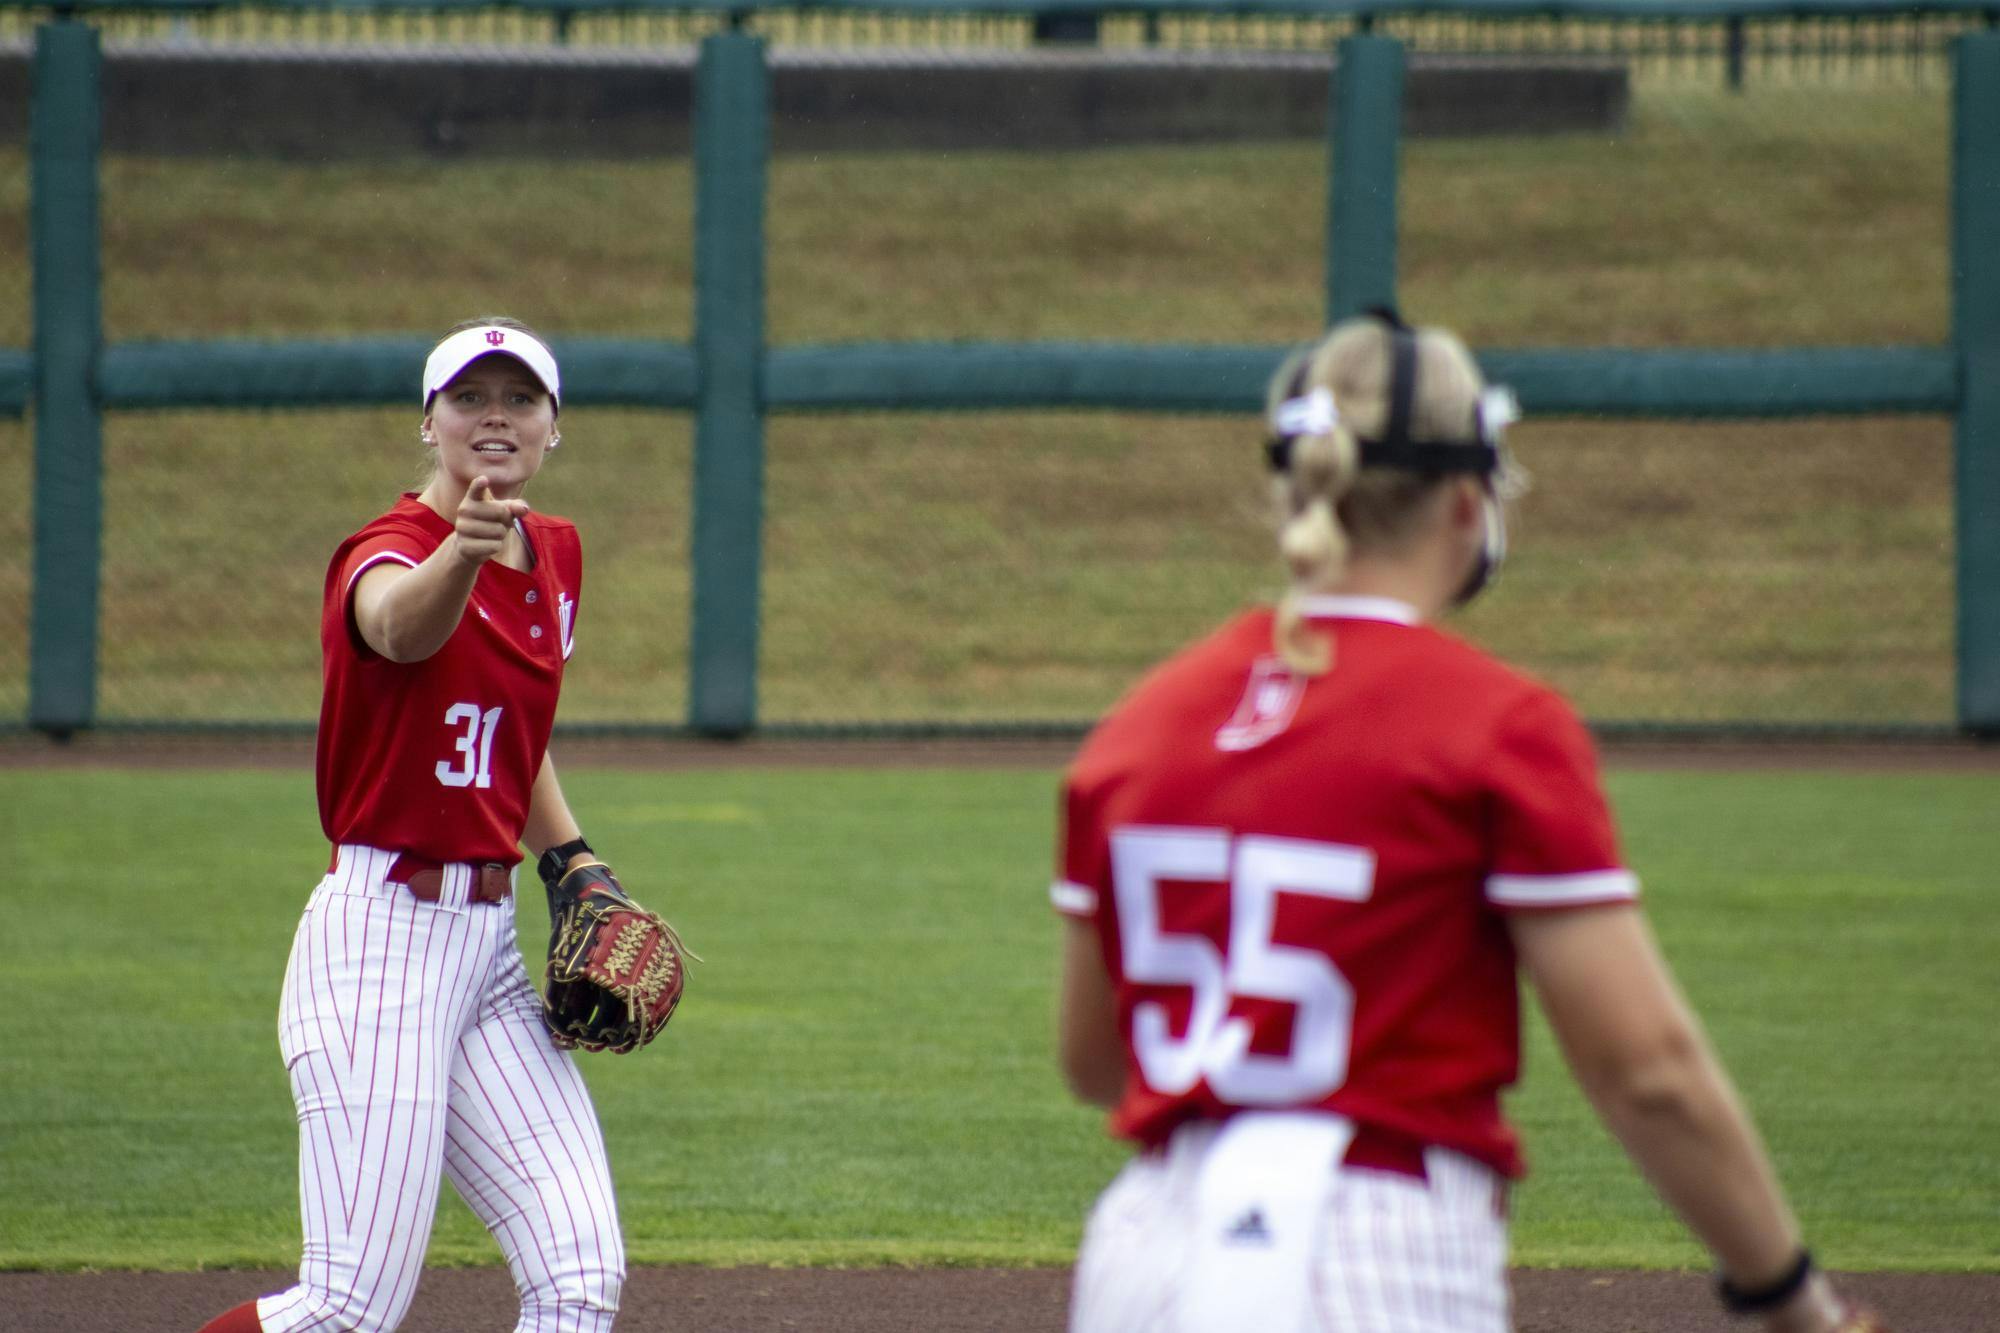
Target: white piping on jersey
1592, 886
1334, 605
1077, 899
534, 557
375, 560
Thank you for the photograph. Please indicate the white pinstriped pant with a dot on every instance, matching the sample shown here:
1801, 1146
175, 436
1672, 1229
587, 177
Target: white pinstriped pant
415, 1046
1344, 1250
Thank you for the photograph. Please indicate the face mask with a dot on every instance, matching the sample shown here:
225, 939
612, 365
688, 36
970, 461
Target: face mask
1492, 553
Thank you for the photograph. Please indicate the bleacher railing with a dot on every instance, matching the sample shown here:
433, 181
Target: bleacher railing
1658, 41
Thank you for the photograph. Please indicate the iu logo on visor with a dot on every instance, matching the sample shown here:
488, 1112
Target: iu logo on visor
494, 337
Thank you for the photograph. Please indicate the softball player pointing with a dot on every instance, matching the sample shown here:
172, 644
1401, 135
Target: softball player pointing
411, 1032
1302, 862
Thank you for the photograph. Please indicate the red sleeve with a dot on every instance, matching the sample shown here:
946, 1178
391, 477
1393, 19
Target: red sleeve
1554, 844
373, 545
1083, 859
374, 548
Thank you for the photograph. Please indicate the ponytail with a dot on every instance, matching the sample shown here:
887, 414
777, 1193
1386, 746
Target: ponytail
1322, 460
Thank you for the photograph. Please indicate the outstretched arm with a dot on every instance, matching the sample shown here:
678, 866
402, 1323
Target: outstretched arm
1641, 1057
407, 614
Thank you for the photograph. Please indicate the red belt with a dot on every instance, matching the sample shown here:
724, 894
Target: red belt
1374, 1148
491, 883
1378, 1149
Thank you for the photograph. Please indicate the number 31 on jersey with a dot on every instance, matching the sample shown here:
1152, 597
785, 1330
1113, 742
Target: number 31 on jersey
1250, 871
474, 767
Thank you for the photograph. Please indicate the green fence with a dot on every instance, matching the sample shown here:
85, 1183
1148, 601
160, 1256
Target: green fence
766, 604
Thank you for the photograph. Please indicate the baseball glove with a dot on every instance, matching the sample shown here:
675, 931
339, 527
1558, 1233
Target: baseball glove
615, 969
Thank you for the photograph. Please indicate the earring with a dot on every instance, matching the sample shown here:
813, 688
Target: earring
555, 439
427, 437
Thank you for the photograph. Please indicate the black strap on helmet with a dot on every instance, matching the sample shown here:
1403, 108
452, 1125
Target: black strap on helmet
1402, 375
1395, 448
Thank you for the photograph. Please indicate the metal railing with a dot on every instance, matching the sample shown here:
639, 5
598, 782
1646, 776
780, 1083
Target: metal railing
1832, 42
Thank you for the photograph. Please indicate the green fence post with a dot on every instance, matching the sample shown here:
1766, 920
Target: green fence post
1975, 320
732, 143
1367, 113
64, 115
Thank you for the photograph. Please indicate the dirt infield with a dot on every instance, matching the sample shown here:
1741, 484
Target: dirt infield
736, 1300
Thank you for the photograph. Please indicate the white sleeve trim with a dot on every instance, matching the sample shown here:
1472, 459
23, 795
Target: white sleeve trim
1592, 886
375, 560
1073, 899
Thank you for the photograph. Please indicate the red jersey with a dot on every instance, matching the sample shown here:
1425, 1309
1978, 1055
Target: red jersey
438, 757
1298, 882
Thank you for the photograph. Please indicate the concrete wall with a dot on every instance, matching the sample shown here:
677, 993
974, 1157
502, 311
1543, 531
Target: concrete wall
328, 103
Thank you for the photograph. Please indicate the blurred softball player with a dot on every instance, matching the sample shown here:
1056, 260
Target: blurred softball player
1301, 863
412, 1034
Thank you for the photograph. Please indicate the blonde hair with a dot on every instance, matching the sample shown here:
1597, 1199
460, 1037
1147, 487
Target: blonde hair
1328, 505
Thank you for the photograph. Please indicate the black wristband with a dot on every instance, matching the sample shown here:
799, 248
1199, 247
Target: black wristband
1738, 1300
556, 860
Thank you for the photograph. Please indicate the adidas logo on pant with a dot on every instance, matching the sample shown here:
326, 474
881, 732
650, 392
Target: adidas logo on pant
1248, 1229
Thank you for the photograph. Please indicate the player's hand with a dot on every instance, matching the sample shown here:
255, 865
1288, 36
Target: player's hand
483, 522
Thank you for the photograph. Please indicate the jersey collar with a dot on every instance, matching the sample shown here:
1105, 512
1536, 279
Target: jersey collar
413, 506
1330, 606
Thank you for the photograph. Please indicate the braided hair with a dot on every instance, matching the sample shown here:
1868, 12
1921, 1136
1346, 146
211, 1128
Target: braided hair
1321, 406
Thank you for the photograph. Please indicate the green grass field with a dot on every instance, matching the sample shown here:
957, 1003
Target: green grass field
1008, 566
863, 1070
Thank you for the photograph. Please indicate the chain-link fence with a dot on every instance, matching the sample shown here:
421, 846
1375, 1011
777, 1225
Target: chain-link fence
978, 567
218, 528
1010, 569
218, 524
1784, 574
984, 568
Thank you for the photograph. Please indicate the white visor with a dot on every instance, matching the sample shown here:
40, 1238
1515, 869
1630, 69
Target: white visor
468, 345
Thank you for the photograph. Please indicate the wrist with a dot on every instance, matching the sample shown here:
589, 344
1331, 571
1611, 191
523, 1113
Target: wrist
466, 559
1769, 1295
554, 863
